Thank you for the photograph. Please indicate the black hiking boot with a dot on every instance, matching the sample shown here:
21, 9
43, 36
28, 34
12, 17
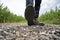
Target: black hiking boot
29, 14
36, 22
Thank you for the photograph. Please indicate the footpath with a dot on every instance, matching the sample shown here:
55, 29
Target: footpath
14, 31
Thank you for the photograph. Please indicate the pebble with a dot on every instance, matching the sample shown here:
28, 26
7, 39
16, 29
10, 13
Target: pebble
17, 32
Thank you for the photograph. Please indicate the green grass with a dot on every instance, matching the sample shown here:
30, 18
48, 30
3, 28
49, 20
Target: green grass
52, 17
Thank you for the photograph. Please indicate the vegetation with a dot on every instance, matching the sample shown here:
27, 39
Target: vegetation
7, 16
52, 17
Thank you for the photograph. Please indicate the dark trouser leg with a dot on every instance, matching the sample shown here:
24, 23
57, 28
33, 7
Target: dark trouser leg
37, 7
29, 2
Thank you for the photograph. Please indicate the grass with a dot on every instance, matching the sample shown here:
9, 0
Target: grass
52, 17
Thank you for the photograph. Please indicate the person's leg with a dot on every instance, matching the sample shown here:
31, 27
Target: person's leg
30, 13
29, 2
37, 7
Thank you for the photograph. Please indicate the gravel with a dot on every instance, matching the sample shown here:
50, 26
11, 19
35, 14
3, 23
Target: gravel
16, 31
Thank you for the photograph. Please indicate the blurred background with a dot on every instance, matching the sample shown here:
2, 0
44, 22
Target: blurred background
13, 11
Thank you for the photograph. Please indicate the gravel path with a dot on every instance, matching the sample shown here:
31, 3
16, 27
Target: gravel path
18, 31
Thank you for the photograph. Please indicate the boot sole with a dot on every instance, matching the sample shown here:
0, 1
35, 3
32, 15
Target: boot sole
29, 14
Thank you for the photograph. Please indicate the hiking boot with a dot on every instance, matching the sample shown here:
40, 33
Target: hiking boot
29, 14
36, 22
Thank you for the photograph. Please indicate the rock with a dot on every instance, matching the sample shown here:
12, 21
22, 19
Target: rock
57, 33
17, 32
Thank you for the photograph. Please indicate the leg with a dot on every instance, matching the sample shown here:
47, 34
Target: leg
29, 2
37, 7
30, 14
